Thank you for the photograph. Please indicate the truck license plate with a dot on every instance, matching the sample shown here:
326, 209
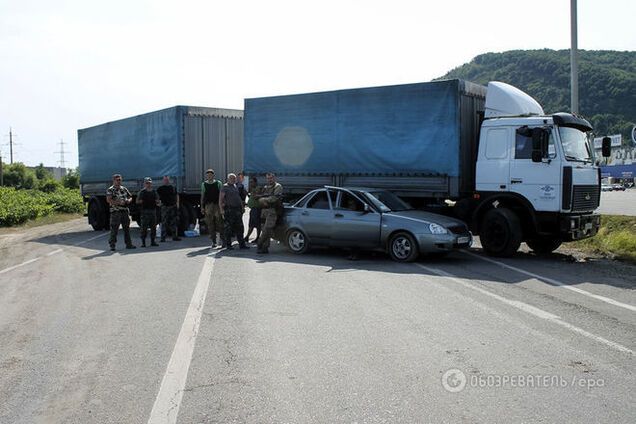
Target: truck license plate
463, 240
588, 226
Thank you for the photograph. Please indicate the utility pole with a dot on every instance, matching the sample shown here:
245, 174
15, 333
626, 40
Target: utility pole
11, 145
61, 162
574, 66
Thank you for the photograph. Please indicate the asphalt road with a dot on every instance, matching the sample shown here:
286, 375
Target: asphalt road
618, 202
188, 334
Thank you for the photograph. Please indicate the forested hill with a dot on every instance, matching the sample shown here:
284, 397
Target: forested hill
607, 82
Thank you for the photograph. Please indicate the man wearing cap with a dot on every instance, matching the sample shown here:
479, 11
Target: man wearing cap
169, 209
148, 200
118, 198
210, 191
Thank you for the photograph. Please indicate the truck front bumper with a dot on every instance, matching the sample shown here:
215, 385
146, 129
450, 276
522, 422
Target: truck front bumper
577, 227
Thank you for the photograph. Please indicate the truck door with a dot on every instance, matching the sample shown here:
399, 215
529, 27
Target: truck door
539, 182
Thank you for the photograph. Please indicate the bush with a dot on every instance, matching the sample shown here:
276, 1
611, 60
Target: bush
48, 185
71, 179
19, 206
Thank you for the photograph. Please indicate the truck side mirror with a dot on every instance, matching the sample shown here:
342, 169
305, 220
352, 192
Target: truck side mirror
606, 148
539, 144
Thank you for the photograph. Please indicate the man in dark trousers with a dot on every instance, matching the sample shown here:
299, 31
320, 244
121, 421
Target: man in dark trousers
169, 209
148, 200
118, 198
232, 209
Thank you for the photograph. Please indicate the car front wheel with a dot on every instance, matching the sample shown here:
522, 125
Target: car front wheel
297, 241
403, 248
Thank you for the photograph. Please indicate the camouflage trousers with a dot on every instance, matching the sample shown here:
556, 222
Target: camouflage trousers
148, 221
234, 225
267, 228
118, 218
169, 221
214, 220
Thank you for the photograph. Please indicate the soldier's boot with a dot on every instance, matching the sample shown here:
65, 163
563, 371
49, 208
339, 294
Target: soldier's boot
214, 241
153, 242
163, 237
143, 242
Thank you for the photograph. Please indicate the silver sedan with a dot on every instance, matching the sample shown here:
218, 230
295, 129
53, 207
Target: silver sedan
369, 219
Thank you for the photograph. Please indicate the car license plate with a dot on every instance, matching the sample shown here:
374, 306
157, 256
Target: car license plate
463, 240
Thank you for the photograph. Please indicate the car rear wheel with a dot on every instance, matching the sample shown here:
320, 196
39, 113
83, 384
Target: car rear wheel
500, 232
297, 241
403, 248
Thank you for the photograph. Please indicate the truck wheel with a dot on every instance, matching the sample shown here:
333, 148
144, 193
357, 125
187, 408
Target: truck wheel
500, 232
403, 248
297, 241
543, 245
96, 214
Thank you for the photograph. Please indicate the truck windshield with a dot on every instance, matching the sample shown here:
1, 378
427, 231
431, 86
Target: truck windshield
575, 145
387, 201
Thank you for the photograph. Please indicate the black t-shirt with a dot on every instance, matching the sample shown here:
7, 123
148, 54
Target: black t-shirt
168, 195
148, 199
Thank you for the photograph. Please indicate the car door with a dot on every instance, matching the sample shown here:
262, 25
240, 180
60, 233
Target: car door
316, 218
354, 225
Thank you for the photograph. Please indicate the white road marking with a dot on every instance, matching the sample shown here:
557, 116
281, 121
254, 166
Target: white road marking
55, 252
166, 407
540, 313
554, 282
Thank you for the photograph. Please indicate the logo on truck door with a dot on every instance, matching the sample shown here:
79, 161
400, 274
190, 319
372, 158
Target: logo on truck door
547, 192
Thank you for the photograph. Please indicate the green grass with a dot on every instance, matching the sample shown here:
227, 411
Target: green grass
616, 238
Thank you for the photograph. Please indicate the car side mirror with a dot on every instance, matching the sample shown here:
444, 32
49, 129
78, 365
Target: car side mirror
539, 144
606, 148
367, 208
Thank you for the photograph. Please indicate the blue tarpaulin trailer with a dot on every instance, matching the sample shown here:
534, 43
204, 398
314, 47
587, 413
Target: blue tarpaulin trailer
180, 142
418, 139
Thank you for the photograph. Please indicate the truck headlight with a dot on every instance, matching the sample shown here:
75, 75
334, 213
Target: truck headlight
437, 229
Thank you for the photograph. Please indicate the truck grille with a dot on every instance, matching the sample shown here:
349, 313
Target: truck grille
585, 197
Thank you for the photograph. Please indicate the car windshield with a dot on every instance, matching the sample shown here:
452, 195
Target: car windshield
575, 145
387, 201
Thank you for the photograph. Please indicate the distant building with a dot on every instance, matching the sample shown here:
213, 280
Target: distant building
57, 172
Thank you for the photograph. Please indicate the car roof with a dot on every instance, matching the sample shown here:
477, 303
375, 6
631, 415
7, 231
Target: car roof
352, 188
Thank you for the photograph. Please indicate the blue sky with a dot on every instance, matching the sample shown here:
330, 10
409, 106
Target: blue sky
74, 64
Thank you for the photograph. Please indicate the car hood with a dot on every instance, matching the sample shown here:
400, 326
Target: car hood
428, 217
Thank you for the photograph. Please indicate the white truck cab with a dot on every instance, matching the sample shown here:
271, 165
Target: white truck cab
536, 179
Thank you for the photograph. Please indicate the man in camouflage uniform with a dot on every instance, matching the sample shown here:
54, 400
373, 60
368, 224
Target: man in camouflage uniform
118, 197
169, 209
231, 206
148, 200
271, 204
210, 192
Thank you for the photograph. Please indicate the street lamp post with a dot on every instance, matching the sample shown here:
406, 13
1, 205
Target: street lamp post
574, 66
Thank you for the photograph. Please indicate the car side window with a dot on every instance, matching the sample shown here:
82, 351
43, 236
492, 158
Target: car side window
319, 201
350, 203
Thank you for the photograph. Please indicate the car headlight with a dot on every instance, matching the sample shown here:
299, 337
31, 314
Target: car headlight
437, 229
